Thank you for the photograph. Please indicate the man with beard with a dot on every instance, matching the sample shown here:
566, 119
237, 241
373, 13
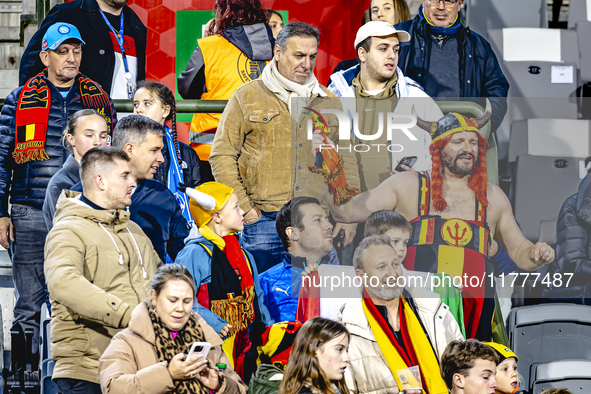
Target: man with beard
306, 234
455, 214
393, 328
115, 51
379, 88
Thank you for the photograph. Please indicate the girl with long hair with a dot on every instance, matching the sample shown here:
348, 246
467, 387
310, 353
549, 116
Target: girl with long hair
318, 359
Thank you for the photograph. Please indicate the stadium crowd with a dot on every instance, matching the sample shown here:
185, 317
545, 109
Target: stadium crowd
143, 245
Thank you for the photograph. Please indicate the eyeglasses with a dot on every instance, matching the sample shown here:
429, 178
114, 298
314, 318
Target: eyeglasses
447, 3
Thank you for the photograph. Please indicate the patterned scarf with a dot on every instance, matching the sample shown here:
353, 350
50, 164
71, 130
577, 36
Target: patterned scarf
32, 114
167, 348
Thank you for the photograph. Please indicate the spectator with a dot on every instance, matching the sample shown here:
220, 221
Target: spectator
253, 145
155, 101
449, 60
92, 296
86, 129
391, 329
457, 153
318, 359
556, 391
275, 22
153, 207
229, 292
31, 152
152, 353
104, 26
507, 376
391, 11
378, 84
306, 235
573, 247
239, 45
469, 367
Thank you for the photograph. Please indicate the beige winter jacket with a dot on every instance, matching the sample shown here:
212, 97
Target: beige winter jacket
130, 364
368, 372
256, 153
92, 292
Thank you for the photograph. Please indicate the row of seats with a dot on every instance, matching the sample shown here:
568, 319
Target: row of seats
553, 343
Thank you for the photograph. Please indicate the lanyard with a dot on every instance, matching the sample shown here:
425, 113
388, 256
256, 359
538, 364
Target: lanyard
119, 38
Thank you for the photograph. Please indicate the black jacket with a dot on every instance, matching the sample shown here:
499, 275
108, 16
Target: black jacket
573, 246
480, 73
191, 174
29, 181
98, 56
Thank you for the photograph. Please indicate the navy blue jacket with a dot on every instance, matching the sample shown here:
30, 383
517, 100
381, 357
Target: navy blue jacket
191, 173
98, 56
480, 73
29, 181
155, 209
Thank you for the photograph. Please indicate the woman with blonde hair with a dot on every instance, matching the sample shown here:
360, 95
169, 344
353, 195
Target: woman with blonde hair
318, 359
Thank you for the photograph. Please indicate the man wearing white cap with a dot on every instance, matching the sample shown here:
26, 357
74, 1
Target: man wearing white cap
32, 122
380, 87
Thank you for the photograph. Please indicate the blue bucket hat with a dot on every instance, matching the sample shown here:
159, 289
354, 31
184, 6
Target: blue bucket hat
57, 34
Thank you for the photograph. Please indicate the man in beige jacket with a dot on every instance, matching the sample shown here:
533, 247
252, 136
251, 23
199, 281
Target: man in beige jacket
98, 266
261, 148
393, 327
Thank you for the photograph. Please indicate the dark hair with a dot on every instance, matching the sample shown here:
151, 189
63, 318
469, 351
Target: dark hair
290, 215
168, 272
365, 44
401, 11
557, 391
165, 95
99, 156
382, 221
273, 12
73, 123
133, 129
459, 357
366, 17
365, 244
303, 362
296, 29
230, 13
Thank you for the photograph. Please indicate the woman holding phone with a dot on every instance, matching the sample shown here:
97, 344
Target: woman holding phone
152, 352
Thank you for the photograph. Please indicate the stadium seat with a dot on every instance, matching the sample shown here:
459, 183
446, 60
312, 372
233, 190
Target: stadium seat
482, 16
541, 66
578, 11
548, 332
541, 185
574, 375
47, 385
44, 336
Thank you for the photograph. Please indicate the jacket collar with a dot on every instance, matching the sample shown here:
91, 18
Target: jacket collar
290, 260
69, 204
343, 82
255, 41
141, 324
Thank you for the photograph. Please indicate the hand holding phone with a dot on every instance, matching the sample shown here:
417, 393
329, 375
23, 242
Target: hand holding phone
200, 348
408, 161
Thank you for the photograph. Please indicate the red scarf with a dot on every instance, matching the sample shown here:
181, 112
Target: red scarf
236, 258
32, 114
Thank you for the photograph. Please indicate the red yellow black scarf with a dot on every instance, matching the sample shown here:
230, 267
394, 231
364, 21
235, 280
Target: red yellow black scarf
32, 114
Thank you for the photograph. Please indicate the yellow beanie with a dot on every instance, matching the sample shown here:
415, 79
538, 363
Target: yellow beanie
502, 351
220, 193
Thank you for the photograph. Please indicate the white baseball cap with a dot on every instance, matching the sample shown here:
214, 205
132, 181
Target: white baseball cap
379, 29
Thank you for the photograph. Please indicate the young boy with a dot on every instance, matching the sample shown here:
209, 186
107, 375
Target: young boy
468, 367
393, 225
229, 293
507, 376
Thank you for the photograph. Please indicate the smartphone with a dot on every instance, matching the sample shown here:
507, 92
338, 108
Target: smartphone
406, 161
201, 348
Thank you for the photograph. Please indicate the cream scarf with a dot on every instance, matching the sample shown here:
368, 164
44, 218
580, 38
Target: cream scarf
286, 90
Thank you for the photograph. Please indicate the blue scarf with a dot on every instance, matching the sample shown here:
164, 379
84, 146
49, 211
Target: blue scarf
453, 29
175, 176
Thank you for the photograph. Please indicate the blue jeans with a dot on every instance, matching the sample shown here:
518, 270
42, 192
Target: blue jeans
261, 240
27, 268
76, 386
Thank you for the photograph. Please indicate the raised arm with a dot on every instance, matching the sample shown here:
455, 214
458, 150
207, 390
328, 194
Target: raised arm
525, 254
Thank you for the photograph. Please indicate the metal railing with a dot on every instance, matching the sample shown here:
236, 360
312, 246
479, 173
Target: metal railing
182, 106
